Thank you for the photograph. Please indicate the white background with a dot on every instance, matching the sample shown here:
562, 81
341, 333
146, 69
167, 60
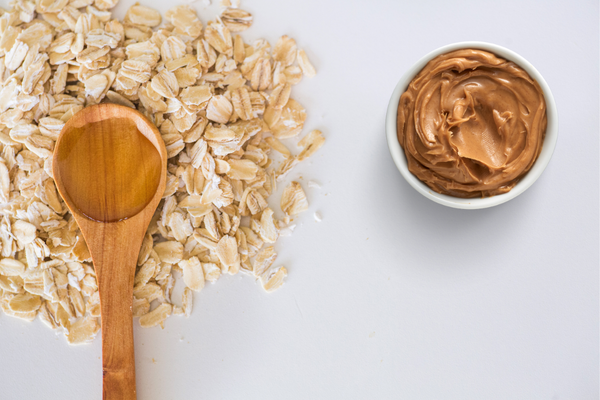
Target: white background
392, 296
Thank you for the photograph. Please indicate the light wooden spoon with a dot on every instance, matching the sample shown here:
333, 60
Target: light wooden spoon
110, 166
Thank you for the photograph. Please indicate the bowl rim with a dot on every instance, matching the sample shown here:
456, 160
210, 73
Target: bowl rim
474, 203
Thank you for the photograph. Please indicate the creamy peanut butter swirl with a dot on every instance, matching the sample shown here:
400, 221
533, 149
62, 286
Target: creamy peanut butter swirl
471, 124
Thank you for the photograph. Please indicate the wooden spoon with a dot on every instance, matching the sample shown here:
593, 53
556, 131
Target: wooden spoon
110, 166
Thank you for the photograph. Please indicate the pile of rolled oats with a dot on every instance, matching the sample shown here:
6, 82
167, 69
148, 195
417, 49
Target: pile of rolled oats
222, 107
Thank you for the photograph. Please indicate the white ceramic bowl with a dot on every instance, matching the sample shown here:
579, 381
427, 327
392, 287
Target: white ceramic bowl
476, 203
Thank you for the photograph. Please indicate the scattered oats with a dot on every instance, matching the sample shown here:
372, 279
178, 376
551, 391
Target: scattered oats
169, 252
285, 167
223, 108
291, 121
76, 300
193, 274
285, 51
211, 272
305, 65
276, 145
266, 228
24, 232
25, 303
242, 169
318, 217
219, 109
242, 103
138, 71
293, 199
46, 317
218, 36
196, 95
146, 272
142, 15
263, 260
83, 331
95, 86
11, 267
228, 254
178, 311
293, 74
156, 316
287, 230
150, 291
236, 20
116, 98
26, 315
273, 280
173, 48
239, 50
165, 84
140, 307
185, 21
261, 75
16, 55
314, 184
187, 302
310, 143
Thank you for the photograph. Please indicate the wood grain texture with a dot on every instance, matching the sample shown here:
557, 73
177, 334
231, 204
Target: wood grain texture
127, 209
111, 170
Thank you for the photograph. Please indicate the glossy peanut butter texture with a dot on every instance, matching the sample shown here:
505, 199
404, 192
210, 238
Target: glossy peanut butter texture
471, 124
109, 169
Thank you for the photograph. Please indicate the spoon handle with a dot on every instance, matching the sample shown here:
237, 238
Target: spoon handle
118, 360
115, 255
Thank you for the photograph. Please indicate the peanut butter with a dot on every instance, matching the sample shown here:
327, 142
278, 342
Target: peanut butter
471, 124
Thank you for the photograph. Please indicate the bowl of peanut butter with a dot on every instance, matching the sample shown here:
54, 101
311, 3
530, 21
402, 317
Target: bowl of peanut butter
471, 125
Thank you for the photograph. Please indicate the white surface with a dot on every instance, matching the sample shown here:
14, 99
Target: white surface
397, 152
391, 296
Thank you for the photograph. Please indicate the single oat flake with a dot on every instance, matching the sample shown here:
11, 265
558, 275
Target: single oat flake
293, 199
225, 108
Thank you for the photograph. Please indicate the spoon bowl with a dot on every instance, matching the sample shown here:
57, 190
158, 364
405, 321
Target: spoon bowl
110, 166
